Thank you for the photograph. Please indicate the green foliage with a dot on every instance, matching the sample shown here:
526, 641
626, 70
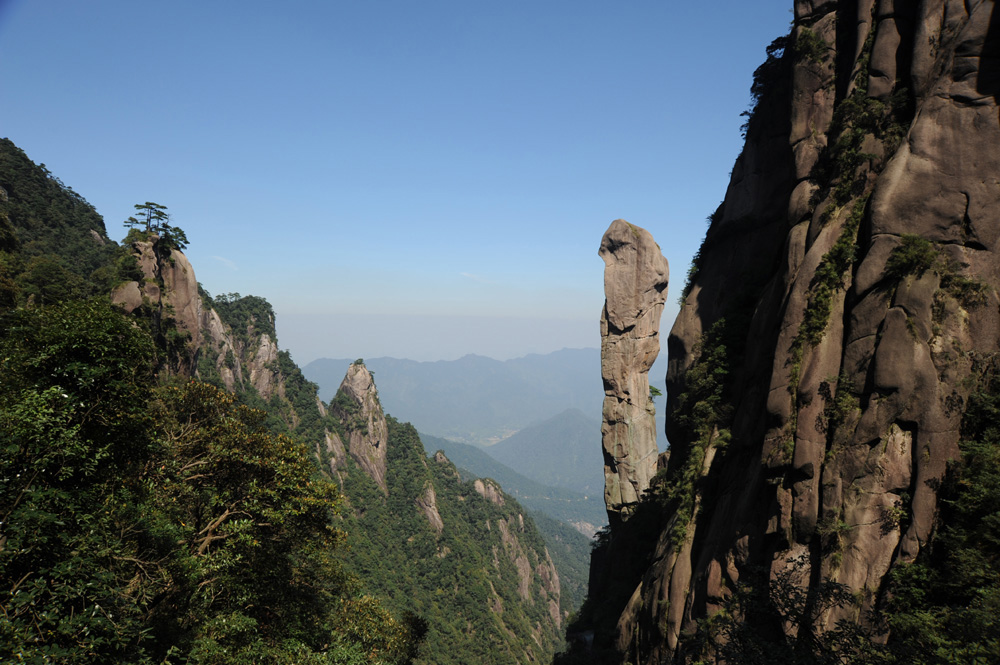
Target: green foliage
702, 415
8, 243
247, 316
692, 275
570, 552
48, 216
298, 407
855, 118
153, 218
840, 403
913, 256
53, 244
169, 525
454, 580
45, 280
73, 438
916, 255
256, 571
768, 76
945, 606
810, 46
829, 278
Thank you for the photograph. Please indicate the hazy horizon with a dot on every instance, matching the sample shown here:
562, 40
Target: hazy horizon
413, 337
417, 179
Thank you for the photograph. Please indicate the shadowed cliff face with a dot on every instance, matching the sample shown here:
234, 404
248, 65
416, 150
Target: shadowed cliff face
839, 313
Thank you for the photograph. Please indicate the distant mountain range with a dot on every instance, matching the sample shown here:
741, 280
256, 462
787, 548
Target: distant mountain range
476, 399
584, 511
564, 451
479, 400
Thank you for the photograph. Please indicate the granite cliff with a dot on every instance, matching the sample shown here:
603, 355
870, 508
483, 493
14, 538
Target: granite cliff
635, 287
363, 423
839, 315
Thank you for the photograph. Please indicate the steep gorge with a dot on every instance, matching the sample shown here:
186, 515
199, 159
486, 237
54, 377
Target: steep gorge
839, 315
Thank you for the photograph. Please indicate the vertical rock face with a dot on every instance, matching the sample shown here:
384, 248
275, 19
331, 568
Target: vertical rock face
427, 503
635, 288
170, 287
357, 406
170, 292
840, 307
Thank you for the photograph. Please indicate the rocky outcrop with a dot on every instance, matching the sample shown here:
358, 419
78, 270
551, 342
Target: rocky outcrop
533, 571
838, 311
336, 454
427, 504
356, 405
489, 490
635, 289
169, 296
169, 289
223, 347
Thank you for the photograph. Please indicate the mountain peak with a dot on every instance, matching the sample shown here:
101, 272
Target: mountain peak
358, 408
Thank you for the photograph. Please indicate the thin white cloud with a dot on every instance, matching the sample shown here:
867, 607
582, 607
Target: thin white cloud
229, 263
477, 278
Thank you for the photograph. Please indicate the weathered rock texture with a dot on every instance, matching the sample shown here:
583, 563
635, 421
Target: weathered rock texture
358, 408
489, 490
817, 376
427, 503
202, 343
635, 288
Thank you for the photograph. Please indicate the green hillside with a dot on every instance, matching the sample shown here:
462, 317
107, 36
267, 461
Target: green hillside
151, 517
556, 502
553, 509
463, 581
563, 451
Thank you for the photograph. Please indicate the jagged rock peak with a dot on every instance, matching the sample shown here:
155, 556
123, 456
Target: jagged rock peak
357, 406
178, 298
635, 288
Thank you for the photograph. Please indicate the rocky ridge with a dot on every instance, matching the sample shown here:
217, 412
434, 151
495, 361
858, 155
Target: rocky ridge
840, 312
431, 548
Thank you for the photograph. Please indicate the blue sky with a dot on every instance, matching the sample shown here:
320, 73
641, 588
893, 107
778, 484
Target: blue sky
412, 179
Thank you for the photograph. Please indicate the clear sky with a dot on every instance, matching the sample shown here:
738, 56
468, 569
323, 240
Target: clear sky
405, 178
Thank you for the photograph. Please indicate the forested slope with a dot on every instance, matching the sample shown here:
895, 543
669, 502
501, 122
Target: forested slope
170, 489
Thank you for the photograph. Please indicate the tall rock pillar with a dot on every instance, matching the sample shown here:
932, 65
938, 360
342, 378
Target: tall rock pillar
635, 288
